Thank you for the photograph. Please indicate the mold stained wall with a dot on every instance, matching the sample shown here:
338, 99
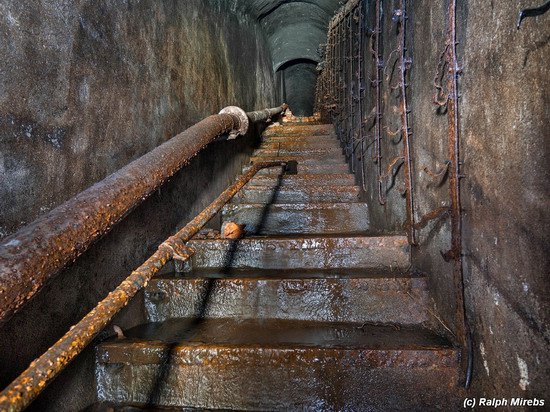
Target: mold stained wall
85, 88
505, 113
505, 149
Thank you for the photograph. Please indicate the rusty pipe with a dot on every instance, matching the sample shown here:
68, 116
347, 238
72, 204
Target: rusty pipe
27, 386
39, 250
266, 114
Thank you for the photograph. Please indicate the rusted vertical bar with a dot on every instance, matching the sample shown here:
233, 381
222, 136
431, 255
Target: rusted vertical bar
343, 74
379, 65
455, 254
404, 66
349, 91
337, 68
355, 79
362, 87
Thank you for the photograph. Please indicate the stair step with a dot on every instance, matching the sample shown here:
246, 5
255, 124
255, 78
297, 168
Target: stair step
313, 252
333, 168
299, 130
352, 296
298, 145
276, 365
299, 218
317, 159
307, 160
303, 180
301, 139
262, 194
315, 152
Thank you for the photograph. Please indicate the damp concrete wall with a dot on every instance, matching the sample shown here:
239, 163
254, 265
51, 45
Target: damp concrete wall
85, 88
505, 113
504, 146
504, 116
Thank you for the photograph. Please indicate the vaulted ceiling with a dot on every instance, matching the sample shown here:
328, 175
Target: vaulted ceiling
294, 28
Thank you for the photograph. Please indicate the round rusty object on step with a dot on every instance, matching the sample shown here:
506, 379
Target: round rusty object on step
243, 120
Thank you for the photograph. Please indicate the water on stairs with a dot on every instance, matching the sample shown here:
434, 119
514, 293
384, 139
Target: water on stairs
308, 311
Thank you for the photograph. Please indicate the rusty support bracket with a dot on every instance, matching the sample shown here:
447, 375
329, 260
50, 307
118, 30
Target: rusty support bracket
437, 213
177, 248
25, 388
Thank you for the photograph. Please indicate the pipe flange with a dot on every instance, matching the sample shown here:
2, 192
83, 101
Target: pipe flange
243, 121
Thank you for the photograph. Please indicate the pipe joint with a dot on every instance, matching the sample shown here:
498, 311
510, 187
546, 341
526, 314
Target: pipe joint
177, 248
241, 125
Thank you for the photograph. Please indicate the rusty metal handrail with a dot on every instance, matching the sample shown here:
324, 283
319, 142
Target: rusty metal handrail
25, 388
39, 250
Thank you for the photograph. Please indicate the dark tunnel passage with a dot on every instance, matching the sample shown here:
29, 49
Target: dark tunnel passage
299, 79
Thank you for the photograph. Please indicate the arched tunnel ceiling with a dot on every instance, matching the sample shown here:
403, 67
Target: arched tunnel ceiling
294, 28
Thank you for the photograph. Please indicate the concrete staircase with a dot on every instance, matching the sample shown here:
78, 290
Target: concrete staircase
306, 312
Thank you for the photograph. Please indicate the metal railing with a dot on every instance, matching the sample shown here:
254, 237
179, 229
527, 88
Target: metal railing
90, 215
41, 249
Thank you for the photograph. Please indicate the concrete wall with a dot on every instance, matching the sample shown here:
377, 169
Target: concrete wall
505, 112
506, 151
86, 87
504, 117
504, 146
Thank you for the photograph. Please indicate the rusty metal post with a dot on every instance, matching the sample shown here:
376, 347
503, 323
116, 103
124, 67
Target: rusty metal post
404, 65
379, 66
362, 89
455, 253
454, 168
39, 250
25, 388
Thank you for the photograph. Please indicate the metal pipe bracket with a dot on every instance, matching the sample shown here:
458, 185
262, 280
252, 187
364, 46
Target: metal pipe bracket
243, 121
177, 248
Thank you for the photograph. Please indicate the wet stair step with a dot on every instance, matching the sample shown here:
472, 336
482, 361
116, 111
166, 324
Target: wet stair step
312, 159
276, 365
339, 296
317, 194
320, 152
303, 180
307, 140
298, 145
299, 218
304, 252
299, 130
327, 169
